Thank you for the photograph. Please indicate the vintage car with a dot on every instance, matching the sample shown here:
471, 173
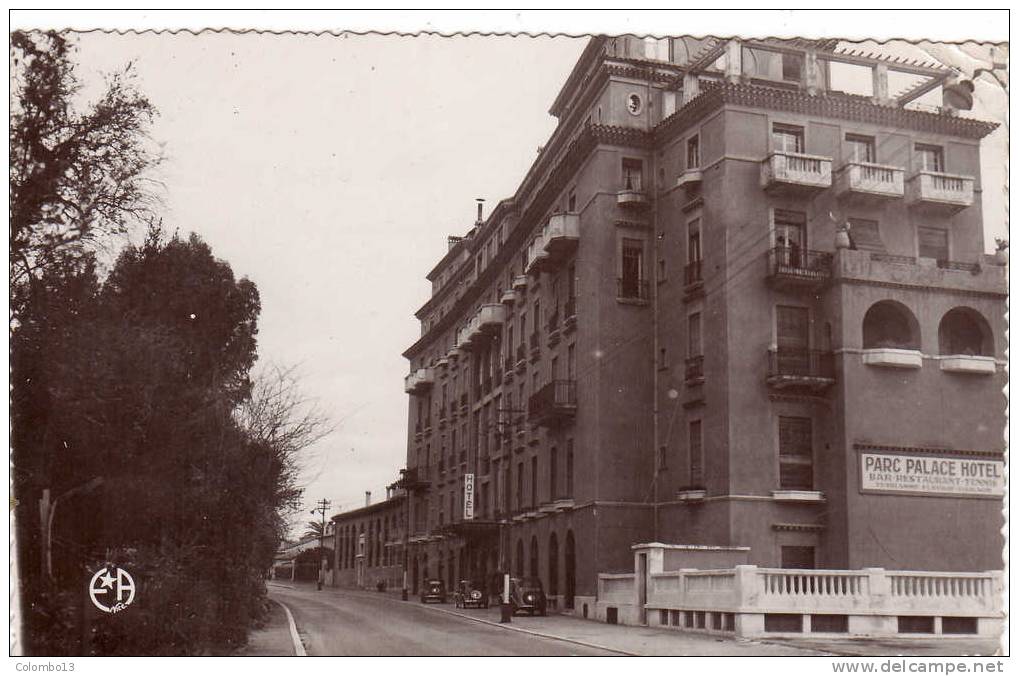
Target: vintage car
526, 594
470, 595
433, 590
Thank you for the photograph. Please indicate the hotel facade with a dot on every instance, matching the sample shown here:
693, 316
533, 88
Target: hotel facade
728, 309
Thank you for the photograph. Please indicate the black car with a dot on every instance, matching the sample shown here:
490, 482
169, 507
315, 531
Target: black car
433, 590
470, 595
526, 594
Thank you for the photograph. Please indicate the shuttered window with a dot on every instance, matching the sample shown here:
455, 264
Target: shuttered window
793, 327
696, 454
865, 235
795, 453
933, 243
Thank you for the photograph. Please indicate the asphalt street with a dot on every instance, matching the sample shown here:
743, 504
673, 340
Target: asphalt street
352, 623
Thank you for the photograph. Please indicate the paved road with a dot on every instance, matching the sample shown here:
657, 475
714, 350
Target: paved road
335, 622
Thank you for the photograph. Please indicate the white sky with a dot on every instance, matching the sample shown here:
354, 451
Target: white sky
329, 170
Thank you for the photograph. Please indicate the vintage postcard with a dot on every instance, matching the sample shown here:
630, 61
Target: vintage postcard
374, 343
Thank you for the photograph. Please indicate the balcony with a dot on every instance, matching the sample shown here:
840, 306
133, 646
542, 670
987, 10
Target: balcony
940, 191
633, 290
871, 181
509, 297
561, 235
632, 199
962, 363
520, 283
554, 402
419, 381
553, 328
472, 333
689, 179
795, 173
694, 372
491, 317
412, 479
891, 357
803, 369
538, 260
790, 268
570, 314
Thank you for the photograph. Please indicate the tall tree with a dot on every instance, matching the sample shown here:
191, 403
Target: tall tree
75, 176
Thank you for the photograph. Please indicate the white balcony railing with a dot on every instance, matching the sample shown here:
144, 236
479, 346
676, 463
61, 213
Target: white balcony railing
796, 170
875, 180
940, 189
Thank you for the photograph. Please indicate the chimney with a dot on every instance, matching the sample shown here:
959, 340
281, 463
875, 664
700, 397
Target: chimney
481, 204
367, 498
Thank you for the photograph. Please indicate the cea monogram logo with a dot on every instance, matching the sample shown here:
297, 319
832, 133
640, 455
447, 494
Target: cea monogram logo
111, 589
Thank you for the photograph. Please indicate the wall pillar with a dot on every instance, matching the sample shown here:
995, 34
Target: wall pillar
879, 75
733, 61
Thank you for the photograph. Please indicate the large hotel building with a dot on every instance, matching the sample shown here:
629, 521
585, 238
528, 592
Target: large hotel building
727, 306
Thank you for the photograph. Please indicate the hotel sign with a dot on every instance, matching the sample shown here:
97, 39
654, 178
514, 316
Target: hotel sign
468, 497
931, 475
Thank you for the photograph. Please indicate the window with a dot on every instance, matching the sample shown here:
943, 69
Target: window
632, 268
662, 455
865, 235
787, 139
792, 327
694, 346
932, 243
795, 453
693, 152
860, 148
534, 481
930, 158
633, 171
790, 234
571, 202
520, 485
696, 454
553, 473
569, 467
571, 361
792, 67
693, 240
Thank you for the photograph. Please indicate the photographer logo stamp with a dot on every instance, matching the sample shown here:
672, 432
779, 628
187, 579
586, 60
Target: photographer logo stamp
111, 589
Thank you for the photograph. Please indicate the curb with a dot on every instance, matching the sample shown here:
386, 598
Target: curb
533, 632
299, 650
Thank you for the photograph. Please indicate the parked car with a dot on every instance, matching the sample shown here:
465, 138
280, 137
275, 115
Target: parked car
527, 594
470, 595
433, 590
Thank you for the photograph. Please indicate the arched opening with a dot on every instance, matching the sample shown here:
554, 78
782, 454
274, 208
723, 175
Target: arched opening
964, 331
518, 562
890, 324
570, 564
533, 568
553, 565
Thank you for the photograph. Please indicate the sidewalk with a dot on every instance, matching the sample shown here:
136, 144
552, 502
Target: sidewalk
272, 638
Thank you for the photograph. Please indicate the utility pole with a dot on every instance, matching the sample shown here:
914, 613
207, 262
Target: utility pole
322, 506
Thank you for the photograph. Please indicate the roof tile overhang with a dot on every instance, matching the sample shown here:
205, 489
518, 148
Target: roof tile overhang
832, 105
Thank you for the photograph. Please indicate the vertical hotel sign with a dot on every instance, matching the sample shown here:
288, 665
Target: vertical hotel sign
468, 496
903, 473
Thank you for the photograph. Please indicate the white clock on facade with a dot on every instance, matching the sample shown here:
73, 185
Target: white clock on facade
634, 104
